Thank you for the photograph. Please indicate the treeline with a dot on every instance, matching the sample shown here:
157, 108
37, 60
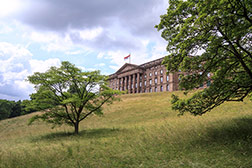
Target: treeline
9, 109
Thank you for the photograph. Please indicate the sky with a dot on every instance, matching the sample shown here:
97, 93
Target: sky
92, 34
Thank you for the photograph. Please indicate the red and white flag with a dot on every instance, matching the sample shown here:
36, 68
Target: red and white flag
127, 57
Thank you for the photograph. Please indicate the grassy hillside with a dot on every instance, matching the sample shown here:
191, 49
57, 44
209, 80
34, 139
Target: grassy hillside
139, 131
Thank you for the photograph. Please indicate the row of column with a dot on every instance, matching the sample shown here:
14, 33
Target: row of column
130, 83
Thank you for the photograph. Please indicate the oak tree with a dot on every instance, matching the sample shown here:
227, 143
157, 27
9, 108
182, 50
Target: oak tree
211, 41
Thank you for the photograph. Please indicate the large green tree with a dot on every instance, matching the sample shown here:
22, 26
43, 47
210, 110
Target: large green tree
209, 37
69, 94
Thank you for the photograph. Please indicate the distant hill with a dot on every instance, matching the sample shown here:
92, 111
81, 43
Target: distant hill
139, 131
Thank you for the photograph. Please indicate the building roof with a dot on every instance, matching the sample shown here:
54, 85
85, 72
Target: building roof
129, 67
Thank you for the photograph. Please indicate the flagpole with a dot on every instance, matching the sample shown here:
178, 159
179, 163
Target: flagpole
130, 58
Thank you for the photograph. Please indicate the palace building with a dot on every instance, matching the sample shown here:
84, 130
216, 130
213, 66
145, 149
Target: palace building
148, 77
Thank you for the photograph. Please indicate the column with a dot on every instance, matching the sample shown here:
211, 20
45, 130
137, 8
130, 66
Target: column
130, 84
134, 83
143, 79
119, 83
138, 76
125, 83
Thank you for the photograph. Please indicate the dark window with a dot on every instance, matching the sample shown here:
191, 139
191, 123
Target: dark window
208, 83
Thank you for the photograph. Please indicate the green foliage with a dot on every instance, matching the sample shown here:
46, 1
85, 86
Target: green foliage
16, 109
10, 109
209, 38
5, 108
69, 94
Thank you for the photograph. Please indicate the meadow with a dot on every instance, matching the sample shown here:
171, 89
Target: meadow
139, 131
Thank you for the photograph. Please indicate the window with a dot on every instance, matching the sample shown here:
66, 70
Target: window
136, 85
161, 72
155, 89
161, 79
131, 86
156, 73
161, 88
140, 84
167, 78
144, 75
150, 81
145, 83
208, 83
155, 80
150, 74
150, 90
167, 87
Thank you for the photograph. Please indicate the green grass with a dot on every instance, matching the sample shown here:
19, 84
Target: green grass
139, 131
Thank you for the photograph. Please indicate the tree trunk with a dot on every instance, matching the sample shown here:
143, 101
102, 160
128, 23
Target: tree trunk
76, 128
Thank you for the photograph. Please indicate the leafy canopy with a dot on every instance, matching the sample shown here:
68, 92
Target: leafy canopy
69, 94
209, 37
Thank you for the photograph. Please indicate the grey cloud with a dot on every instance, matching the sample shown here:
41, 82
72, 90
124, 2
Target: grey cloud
103, 42
138, 17
58, 14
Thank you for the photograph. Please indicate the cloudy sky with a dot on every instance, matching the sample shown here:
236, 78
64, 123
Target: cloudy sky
92, 34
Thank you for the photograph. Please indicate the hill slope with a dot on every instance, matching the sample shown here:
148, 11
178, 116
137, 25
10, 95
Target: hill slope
139, 131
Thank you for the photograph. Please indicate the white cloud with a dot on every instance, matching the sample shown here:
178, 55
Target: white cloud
51, 41
100, 65
4, 29
8, 7
14, 69
42, 66
73, 52
90, 34
16, 64
100, 55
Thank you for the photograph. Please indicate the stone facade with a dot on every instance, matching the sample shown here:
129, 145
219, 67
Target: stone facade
148, 77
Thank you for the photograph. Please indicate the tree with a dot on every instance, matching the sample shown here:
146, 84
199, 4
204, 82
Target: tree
16, 109
209, 37
70, 94
5, 108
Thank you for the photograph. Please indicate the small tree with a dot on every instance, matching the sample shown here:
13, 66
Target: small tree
218, 33
69, 94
